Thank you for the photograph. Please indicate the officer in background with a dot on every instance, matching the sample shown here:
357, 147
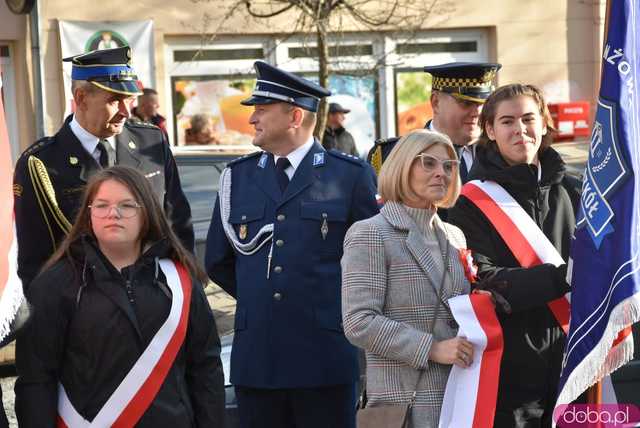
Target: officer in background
275, 244
458, 91
50, 176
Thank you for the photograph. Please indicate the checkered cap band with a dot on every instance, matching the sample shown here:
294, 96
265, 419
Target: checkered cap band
458, 82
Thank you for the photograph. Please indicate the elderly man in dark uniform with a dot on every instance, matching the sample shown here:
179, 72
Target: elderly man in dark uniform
458, 91
50, 176
275, 244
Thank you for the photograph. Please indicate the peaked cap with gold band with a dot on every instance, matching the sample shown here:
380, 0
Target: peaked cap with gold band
467, 81
470, 81
108, 69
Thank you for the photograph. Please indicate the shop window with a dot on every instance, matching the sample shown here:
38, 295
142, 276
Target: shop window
212, 105
334, 51
413, 94
217, 54
439, 47
207, 110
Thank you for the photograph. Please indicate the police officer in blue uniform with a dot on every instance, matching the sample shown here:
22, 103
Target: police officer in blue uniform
275, 244
51, 175
458, 91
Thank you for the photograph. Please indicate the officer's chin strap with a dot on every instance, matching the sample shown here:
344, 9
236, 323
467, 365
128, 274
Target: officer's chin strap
247, 248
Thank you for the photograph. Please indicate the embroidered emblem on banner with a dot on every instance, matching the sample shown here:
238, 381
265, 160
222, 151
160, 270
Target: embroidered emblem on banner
262, 162
606, 171
318, 159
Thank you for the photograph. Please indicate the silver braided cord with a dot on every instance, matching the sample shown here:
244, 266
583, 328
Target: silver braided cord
247, 248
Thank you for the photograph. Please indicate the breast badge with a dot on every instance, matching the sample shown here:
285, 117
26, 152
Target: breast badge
242, 233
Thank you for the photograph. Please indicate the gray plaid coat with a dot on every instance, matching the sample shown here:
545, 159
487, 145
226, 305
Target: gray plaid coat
389, 283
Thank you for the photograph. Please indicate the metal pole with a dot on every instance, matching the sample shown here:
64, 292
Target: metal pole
34, 23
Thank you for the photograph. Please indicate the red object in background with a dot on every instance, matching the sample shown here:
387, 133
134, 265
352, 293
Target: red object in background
571, 120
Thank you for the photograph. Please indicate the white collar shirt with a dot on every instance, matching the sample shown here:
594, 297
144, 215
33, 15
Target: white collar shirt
88, 140
295, 157
468, 152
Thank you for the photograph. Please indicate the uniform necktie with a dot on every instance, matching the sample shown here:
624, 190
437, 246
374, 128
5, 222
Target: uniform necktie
107, 154
464, 169
283, 178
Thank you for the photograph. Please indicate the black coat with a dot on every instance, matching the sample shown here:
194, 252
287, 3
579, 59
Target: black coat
88, 338
39, 225
339, 139
533, 341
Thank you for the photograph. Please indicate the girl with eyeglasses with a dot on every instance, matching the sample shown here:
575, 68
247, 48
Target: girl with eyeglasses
525, 179
122, 332
398, 270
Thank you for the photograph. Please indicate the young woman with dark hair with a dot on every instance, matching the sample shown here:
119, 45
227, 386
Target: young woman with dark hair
524, 178
122, 332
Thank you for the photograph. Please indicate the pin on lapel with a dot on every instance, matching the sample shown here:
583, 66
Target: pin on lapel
132, 145
318, 159
73, 160
242, 233
263, 160
324, 228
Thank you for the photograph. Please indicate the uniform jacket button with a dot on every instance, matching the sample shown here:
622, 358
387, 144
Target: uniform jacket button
281, 217
277, 269
277, 296
279, 242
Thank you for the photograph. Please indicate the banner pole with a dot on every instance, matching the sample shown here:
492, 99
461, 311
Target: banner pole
594, 393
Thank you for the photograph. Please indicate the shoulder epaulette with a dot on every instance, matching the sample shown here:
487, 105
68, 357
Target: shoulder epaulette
141, 124
38, 145
384, 141
380, 151
244, 158
344, 156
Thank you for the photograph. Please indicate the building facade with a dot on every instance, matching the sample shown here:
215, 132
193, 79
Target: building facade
200, 59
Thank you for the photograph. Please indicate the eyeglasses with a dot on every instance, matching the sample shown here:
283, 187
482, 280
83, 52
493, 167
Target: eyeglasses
124, 210
430, 163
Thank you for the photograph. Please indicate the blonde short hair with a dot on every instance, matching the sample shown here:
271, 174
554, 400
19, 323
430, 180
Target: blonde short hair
393, 181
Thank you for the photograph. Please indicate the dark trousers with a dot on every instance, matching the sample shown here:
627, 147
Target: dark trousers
320, 407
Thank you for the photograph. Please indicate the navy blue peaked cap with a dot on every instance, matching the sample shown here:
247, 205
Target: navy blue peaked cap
109, 69
470, 81
274, 85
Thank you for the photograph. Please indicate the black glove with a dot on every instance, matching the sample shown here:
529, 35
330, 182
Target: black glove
496, 288
561, 279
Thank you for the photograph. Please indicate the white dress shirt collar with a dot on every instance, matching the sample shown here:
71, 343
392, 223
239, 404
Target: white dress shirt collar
295, 157
468, 152
88, 140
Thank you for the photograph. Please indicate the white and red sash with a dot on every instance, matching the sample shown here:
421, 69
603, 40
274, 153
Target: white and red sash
471, 393
522, 235
139, 387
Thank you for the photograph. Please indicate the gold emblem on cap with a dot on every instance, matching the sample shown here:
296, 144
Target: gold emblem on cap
73, 160
132, 145
489, 75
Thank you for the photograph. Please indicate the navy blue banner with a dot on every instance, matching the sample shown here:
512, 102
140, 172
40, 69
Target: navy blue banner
604, 273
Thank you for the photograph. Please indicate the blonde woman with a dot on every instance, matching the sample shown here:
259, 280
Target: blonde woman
398, 270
